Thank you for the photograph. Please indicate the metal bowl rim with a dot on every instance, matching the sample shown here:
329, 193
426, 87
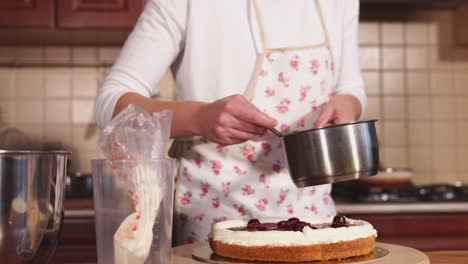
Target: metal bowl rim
34, 152
332, 126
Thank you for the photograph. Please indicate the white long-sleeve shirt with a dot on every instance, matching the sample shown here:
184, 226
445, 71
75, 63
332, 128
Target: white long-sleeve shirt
212, 47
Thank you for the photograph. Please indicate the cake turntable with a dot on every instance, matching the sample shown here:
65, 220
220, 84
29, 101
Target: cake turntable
383, 254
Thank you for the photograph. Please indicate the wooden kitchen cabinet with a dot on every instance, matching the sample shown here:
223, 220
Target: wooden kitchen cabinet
64, 14
27, 13
426, 232
98, 13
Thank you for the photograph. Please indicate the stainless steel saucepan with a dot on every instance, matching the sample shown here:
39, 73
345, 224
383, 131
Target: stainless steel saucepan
332, 154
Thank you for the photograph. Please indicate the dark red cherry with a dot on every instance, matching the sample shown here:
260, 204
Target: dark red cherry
283, 225
253, 221
261, 228
293, 219
339, 219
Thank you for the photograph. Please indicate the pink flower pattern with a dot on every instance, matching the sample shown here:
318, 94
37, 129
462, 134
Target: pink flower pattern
216, 166
247, 190
262, 204
239, 171
269, 92
290, 92
303, 92
283, 106
266, 181
205, 188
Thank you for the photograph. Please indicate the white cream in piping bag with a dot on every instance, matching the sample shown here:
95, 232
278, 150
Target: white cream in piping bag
357, 229
133, 239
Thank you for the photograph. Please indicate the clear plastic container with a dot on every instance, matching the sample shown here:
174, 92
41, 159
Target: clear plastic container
114, 184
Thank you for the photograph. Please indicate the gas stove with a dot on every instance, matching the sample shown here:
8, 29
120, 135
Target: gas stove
411, 194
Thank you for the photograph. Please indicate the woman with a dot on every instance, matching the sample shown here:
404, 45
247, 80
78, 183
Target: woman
240, 67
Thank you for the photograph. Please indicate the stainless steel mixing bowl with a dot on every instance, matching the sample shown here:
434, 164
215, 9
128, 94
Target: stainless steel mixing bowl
32, 185
332, 154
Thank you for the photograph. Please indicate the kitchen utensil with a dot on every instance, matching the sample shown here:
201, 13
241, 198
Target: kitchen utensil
31, 213
332, 154
115, 204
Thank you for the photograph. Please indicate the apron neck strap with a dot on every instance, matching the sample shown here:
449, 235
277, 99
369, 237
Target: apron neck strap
261, 29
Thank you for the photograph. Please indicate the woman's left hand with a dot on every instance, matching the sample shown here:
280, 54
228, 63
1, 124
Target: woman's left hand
340, 109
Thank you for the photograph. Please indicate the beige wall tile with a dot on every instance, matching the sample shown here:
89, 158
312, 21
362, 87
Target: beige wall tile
419, 133
462, 160
58, 54
30, 54
420, 158
437, 63
370, 58
394, 108
7, 82
461, 82
462, 108
462, 133
392, 33
84, 82
394, 133
34, 132
417, 83
442, 83
30, 82
7, 112
443, 133
393, 83
372, 82
58, 133
417, 58
369, 33
433, 33
422, 178
373, 108
108, 54
416, 33
30, 111
58, 82
395, 157
7, 54
58, 111
85, 136
419, 108
84, 54
443, 108
81, 160
444, 159
83, 111
446, 177
392, 58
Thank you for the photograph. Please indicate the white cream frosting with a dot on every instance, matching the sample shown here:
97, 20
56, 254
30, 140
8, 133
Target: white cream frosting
358, 229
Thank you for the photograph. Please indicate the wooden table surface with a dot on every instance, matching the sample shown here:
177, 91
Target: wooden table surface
183, 255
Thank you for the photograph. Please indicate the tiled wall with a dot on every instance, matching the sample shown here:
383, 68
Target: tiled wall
56, 103
420, 100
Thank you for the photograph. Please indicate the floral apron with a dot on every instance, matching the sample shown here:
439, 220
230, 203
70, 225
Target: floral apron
251, 180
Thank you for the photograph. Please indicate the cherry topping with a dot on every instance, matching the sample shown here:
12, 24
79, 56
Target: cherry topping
293, 219
339, 221
298, 226
262, 228
311, 226
253, 221
283, 225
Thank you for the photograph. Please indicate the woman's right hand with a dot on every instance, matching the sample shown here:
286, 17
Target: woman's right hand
232, 120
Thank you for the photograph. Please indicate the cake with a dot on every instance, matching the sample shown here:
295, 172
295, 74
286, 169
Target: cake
292, 240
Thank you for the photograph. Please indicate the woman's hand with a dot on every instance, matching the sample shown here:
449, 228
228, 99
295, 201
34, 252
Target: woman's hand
340, 109
232, 120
